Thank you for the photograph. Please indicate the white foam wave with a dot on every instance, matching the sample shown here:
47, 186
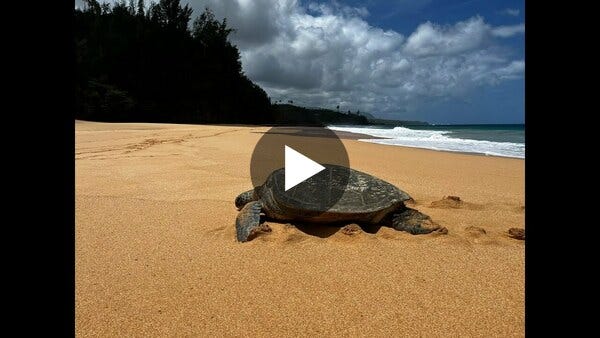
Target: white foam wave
437, 140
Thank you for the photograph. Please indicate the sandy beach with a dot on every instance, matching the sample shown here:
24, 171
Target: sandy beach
156, 253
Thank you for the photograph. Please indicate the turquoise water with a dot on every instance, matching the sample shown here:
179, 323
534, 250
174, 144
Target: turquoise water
506, 140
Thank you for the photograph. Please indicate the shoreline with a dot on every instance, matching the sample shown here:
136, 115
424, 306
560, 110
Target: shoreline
355, 136
344, 135
446, 151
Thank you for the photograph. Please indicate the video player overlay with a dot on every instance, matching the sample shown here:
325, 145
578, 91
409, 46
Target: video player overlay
302, 175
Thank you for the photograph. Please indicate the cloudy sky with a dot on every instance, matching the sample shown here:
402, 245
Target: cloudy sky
441, 61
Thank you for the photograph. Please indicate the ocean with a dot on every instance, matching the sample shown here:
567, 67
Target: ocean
507, 140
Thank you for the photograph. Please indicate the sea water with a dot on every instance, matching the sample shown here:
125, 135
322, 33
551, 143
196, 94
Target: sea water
506, 140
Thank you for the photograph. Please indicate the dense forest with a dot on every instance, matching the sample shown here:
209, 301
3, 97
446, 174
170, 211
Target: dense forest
139, 62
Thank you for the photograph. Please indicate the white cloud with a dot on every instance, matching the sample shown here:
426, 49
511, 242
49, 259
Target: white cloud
257, 21
336, 7
430, 39
325, 55
508, 31
511, 71
511, 11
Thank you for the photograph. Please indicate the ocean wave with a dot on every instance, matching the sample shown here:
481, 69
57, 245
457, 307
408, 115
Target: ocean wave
437, 140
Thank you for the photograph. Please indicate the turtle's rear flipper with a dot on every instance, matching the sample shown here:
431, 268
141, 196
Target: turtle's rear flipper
247, 223
415, 222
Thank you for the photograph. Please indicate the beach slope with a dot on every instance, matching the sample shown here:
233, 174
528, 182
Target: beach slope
156, 253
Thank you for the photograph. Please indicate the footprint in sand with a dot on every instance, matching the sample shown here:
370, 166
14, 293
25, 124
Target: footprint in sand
478, 235
454, 202
474, 231
517, 233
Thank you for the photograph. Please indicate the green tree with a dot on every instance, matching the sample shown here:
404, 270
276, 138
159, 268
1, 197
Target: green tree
146, 65
141, 8
171, 14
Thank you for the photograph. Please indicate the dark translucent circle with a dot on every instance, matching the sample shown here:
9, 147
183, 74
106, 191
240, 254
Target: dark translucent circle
320, 144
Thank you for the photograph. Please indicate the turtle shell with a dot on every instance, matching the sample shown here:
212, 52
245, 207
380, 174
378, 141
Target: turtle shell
336, 190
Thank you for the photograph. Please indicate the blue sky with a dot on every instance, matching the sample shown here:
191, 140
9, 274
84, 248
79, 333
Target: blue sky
405, 15
440, 61
501, 103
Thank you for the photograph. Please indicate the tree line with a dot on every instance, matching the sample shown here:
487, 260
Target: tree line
139, 62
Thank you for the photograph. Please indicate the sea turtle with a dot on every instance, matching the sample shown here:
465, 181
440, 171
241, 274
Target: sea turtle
363, 199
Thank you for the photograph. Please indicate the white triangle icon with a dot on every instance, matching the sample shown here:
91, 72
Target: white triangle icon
298, 168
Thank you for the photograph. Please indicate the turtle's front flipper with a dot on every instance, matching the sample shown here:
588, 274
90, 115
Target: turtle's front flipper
415, 222
247, 222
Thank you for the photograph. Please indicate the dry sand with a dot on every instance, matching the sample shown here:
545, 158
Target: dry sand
156, 253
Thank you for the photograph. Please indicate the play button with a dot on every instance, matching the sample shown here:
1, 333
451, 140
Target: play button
303, 152
298, 168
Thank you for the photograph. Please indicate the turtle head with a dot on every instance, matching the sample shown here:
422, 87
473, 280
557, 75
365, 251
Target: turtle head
244, 198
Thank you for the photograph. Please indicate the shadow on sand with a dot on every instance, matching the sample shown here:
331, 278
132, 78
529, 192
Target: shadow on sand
317, 230
328, 230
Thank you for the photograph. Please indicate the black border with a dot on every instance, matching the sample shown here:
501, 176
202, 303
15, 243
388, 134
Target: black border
549, 218
44, 141
530, 159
